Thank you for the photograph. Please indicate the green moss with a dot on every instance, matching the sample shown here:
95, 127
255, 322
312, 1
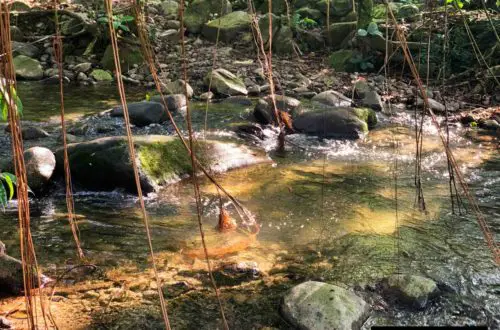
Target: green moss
339, 60
339, 32
367, 115
164, 162
101, 75
232, 20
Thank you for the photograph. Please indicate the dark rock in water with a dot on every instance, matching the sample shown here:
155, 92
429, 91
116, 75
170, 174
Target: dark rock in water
316, 305
11, 274
104, 164
250, 130
238, 100
264, 109
143, 113
40, 164
175, 102
236, 273
412, 290
30, 132
435, 105
340, 122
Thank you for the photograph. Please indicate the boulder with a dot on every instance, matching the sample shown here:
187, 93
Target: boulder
26, 49
104, 164
30, 132
367, 96
198, 13
407, 11
170, 8
339, 32
143, 113
283, 41
16, 34
412, 290
336, 122
433, 104
264, 109
100, 75
332, 98
226, 83
231, 25
40, 164
365, 11
264, 26
322, 306
176, 102
27, 68
177, 87
83, 67
130, 55
340, 60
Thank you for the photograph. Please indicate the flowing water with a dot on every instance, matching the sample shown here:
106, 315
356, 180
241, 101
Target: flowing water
327, 210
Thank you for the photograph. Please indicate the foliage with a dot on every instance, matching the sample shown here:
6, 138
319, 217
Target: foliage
371, 30
305, 23
7, 183
4, 101
120, 22
458, 3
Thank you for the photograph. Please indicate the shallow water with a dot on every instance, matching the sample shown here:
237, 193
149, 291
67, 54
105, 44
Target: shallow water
326, 209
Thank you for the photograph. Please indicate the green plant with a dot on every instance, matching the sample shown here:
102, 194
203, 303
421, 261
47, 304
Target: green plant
120, 22
7, 182
4, 100
371, 30
473, 124
305, 23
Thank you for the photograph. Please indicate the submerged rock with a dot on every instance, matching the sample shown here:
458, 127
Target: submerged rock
104, 164
264, 109
40, 165
336, 122
317, 305
237, 273
412, 290
226, 83
143, 113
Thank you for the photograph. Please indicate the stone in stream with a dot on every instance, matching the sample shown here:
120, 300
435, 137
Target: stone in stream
332, 98
177, 87
264, 109
40, 164
226, 83
143, 113
322, 306
28, 68
434, 105
237, 272
367, 96
336, 122
11, 273
30, 132
26, 49
104, 164
176, 102
412, 290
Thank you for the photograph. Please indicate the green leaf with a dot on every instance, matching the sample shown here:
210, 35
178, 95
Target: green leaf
3, 196
5, 111
10, 185
372, 28
124, 28
19, 104
116, 24
127, 18
103, 20
364, 33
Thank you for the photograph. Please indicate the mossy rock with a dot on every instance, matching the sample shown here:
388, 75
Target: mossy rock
367, 115
104, 164
231, 25
340, 60
365, 11
27, 68
226, 83
264, 26
170, 8
407, 11
412, 290
198, 13
315, 14
283, 41
101, 75
339, 32
130, 55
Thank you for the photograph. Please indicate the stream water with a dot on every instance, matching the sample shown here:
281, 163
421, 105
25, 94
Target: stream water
327, 211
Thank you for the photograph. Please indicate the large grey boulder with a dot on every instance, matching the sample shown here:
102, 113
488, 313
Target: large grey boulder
178, 87
26, 49
336, 122
176, 102
322, 306
231, 25
104, 164
40, 165
27, 68
226, 83
143, 113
